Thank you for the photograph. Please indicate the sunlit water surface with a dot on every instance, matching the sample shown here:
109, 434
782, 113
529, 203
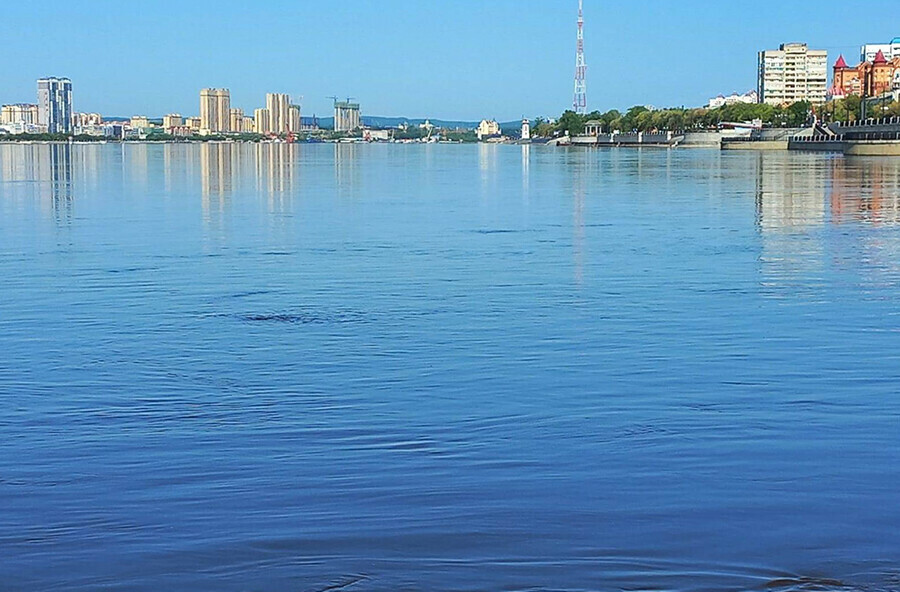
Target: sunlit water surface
449, 368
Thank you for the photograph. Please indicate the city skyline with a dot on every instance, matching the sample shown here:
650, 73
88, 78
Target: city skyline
503, 60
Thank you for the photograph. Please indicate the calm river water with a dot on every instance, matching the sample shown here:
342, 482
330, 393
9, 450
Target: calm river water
448, 368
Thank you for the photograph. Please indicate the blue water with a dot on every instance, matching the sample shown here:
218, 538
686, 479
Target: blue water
447, 368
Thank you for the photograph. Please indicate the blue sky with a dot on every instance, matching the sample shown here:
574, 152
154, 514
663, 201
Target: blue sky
464, 59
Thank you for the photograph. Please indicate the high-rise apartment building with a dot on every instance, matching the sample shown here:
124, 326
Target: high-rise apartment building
261, 121
215, 110
346, 116
890, 50
55, 104
792, 73
249, 125
279, 108
236, 120
19, 113
294, 124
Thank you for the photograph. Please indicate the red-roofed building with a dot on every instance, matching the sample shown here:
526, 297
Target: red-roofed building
868, 79
846, 80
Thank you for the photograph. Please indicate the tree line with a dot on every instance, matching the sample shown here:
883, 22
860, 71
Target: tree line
643, 119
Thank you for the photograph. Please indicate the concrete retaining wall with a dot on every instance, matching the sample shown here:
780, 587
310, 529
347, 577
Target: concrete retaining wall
702, 139
823, 146
873, 148
757, 145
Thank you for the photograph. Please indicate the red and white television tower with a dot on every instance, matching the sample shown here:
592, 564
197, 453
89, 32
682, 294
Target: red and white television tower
580, 102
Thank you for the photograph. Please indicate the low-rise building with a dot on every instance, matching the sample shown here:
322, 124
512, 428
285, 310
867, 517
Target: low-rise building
749, 98
594, 128
87, 119
377, 135
114, 131
172, 120
309, 123
487, 129
181, 131
23, 128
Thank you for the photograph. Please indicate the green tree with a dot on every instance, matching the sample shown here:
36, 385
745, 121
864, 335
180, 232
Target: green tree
797, 114
570, 122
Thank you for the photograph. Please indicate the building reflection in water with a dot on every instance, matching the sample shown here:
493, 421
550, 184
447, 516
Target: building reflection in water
790, 191
265, 169
801, 199
795, 192
47, 170
790, 206
275, 169
59, 189
865, 190
216, 179
345, 166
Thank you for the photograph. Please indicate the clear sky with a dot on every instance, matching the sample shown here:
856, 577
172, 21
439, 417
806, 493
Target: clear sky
460, 59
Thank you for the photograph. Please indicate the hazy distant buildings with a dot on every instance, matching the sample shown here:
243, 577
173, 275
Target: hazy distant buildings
140, 122
87, 119
172, 120
261, 121
346, 116
215, 110
19, 113
792, 73
295, 119
236, 120
55, 104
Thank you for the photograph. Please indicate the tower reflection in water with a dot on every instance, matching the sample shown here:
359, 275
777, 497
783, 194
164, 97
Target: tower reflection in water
45, 170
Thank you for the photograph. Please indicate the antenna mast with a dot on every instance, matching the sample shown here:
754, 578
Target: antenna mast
580, 102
